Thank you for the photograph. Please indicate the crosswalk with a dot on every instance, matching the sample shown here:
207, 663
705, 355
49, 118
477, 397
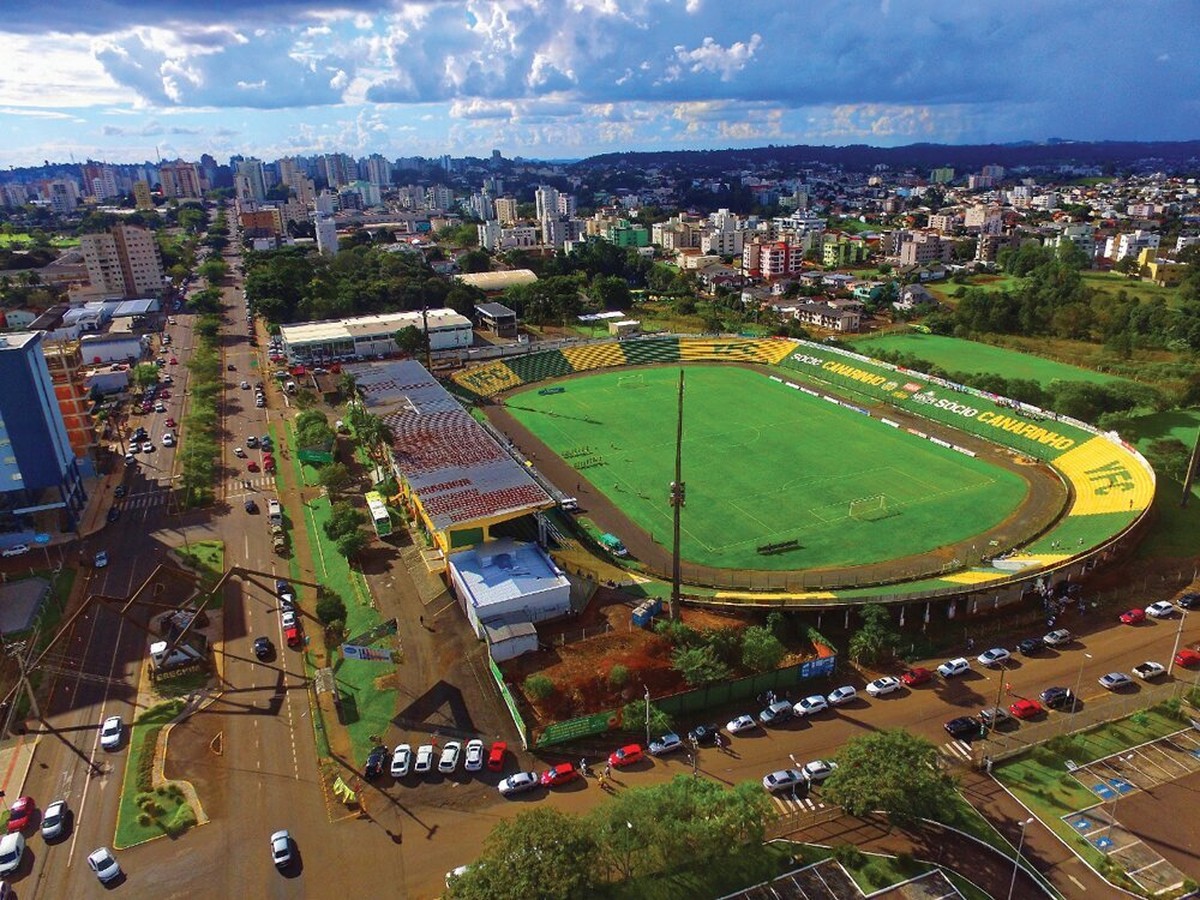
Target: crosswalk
258, 482
144, 500
956, 751
789, 805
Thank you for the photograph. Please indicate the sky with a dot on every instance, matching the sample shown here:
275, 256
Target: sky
130, 80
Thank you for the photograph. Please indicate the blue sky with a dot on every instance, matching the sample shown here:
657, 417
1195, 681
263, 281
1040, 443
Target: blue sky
122, 81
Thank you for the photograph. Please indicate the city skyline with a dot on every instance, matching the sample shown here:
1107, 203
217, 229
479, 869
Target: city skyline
131, 81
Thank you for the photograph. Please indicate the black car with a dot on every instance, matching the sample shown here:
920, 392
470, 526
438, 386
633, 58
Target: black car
120, 492
114, 513
251, 506
1057, 697
1189, 601
963, 727
376, 760
704, 734
263, 648
1030, 646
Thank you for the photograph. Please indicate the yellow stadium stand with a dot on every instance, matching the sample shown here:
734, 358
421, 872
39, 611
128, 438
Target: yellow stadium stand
595, 356
751, 350
1106, 478
488, 379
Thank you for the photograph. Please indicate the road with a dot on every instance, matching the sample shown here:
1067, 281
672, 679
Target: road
251, 754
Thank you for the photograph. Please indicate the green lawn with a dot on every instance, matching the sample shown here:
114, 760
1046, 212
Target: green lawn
175, 814
764, 464
958, 355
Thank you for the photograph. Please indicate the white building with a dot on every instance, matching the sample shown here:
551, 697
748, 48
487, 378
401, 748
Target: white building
327, 239
363, 337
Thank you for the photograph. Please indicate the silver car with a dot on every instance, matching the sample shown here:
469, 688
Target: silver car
54, 820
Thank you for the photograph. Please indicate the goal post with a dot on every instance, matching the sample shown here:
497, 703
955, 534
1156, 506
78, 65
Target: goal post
869, 509
632, 380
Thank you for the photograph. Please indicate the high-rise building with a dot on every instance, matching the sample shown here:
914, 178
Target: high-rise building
123, 261
327, 239
141, 195
506, 210
64, 360
378, 170
180, 180
248, 181
39, 475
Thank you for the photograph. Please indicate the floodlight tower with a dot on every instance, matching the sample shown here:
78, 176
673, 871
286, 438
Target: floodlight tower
678, 498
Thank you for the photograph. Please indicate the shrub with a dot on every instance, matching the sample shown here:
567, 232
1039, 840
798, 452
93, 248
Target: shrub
144, 819
618, 676
180, 821
145, 769
330, 608
539, 687
849, 856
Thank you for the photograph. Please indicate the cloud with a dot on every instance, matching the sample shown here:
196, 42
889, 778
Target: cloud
712, 57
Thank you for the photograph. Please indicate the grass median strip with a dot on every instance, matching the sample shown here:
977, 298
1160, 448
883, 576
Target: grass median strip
146, 813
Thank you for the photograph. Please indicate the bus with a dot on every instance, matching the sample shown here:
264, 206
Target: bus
379, 513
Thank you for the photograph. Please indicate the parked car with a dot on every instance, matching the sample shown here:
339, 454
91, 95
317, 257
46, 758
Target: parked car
778, 712
953, 667
668, 743
495, 762
1058, 697
376, 760
783, 780
917, 675
1030, 646
627, 755
449, 759
518, 783
1149, 669
121, 491
15, 550
1190, 601
424, 761
20, 813
473, 758
563, 773
281, 849
883, 686
54, 820
993, 657
1161, 609
401, 760
1115, 680
1057, 637
12, 851
993, 716
1133, 617
963, 727
818, 770
741, 723
811, 705
1025, 708
843, 695
704, 734
104, 864
1187, 657
110, 733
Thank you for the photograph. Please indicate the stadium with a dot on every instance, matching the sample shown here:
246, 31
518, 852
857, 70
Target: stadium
814, 476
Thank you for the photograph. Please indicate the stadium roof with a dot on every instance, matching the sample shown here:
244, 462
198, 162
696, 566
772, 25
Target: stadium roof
368, 326
458, 471
498, 281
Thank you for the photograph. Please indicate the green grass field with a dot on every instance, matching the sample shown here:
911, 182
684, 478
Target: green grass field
764, 464
957, 355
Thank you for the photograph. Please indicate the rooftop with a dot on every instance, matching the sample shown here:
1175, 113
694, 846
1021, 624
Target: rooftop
504, 570
498, 281
365, 326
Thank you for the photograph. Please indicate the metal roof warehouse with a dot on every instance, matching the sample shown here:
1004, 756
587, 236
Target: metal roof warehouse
366, 336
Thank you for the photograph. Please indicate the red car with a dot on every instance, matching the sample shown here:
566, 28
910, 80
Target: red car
171, 423
919, 675
253, 466
495, 761
627, 755
292, 636
1133, 617
1025, 709
174, 361
1187, 657
20, 814
560, 774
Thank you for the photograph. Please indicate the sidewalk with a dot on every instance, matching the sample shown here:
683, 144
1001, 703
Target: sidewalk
16, 756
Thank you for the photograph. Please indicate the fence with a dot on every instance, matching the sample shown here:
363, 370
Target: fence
791, 822
510, 702
579, 634
1001, 745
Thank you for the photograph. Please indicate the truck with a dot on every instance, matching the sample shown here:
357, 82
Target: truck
1149, 669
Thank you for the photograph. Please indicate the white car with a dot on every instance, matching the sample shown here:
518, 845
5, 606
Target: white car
783, 780
518, 783
424, 760
281, 849
1114, 680
168, 440
54, 820
449, 760
1057, 638
147, 447
102, 862
818, 770
15, 550
12, 851
668, 743
110, 733
288, 618
884, 685
160, 406
1161, 610
239, 452
473, 760
993, 657
740, 724
809, 705
101, 559
401, 760
245, 385
842, 695
952, 667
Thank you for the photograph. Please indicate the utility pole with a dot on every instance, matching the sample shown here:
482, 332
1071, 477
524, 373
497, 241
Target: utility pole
647, 715
425, 335
17, 652
678, 498
1190, 475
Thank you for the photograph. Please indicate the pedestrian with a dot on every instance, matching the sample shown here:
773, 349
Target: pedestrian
607, 770
583, 766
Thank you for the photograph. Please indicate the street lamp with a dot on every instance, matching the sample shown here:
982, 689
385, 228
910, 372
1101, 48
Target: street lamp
1178, 636
1017, 862
647, 715
1112, 819
1078, 682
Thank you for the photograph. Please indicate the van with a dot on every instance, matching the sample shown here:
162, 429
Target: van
569, 504
613, 545
274, 512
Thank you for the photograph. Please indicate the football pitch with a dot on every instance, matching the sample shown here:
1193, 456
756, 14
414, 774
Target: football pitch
764, 464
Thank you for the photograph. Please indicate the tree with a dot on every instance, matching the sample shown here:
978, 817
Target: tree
699, 665
634, 716
892, 771
145, 375
410, 339
352, 543
877, 639
761, 650
330, 607
334, 477
343, 519
542, 853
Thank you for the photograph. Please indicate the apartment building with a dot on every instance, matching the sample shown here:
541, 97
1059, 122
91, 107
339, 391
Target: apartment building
1119, 246
123, 261
64, 362
983, 220
839, 250
921, 247
771, 259
180, 180
506, 210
